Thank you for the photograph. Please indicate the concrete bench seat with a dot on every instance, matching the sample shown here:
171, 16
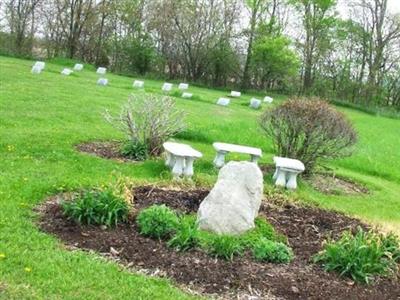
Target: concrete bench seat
180, 158
286, 171
224, 148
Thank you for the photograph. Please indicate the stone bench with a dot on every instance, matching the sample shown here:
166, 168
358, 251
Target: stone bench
286, 171
138, 84
223, 149
180, 158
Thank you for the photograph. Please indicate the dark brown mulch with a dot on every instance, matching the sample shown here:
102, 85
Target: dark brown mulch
105, 149
306, 229
333, 185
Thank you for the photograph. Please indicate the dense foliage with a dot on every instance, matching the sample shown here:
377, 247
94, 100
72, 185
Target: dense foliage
97, 207
157, 221
309, 130
271, 251
361, 256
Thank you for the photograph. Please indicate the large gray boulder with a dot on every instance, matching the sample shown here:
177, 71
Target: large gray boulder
234, 201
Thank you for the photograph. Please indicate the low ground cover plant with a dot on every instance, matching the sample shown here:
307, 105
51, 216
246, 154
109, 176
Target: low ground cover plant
361, 256
181, 233
97, 207
147, 121
309, 130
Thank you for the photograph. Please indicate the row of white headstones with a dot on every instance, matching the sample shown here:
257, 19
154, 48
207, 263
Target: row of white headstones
255, 103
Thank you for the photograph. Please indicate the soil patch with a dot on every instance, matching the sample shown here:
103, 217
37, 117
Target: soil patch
104, 149
306, 229
332, 185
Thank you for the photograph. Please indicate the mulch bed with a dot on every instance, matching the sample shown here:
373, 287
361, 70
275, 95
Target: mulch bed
306, 229
104, 149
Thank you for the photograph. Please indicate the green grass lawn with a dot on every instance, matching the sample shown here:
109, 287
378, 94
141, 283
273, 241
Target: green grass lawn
43, 116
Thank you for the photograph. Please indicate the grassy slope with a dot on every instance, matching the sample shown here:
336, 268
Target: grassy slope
42, 117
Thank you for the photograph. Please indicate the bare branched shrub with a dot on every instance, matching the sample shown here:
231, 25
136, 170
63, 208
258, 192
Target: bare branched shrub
148, 121
309, 130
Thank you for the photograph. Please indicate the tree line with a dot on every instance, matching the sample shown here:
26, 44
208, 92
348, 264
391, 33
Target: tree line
289, 46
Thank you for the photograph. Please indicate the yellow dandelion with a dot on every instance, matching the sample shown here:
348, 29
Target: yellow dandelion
28, 269
2, 255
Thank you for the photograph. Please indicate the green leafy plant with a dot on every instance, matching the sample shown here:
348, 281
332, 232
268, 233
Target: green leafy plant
222, 246
157, 221
270, 251
361, 256
186, 235
134, 150
98, 207
262, 230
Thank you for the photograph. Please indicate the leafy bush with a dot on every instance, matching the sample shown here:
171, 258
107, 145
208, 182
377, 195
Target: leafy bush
148, 121
308, 130
134, 151
267, 250
222, 246
99, 207
263, 230
157, 221
186, 235
361, 256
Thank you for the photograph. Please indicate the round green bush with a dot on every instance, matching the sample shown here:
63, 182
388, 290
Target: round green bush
157, 221
186, 235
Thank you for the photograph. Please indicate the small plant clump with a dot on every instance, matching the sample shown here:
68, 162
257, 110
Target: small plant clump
271, 251
147, 121
97, 207
157, 221
362, 256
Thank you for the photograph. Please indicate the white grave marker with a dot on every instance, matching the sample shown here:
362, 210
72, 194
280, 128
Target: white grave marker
66, 72
235, 94
40, 64
255, 103
101, 71
138, 84
36, 70
268, 99
183, 86
223, 101
187, 95
78, 67
102, 81
167, 87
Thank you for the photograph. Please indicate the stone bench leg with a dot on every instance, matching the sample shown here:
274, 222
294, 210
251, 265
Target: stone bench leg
188, 170
280, 178
292, 181
219, 159
177, 170
275, 174
254, 158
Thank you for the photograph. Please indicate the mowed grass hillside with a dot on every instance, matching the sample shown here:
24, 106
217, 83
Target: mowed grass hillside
43, 117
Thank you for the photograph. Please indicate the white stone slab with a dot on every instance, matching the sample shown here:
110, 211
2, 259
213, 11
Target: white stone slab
167, 87
138, 84
223, 101
255, 103
289, 163
183, 86
66, 72
235, 94
268, 99
36, 70
184, 150
237, 148
102, 81
40, 64
78, 67
187, 95
101, 71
